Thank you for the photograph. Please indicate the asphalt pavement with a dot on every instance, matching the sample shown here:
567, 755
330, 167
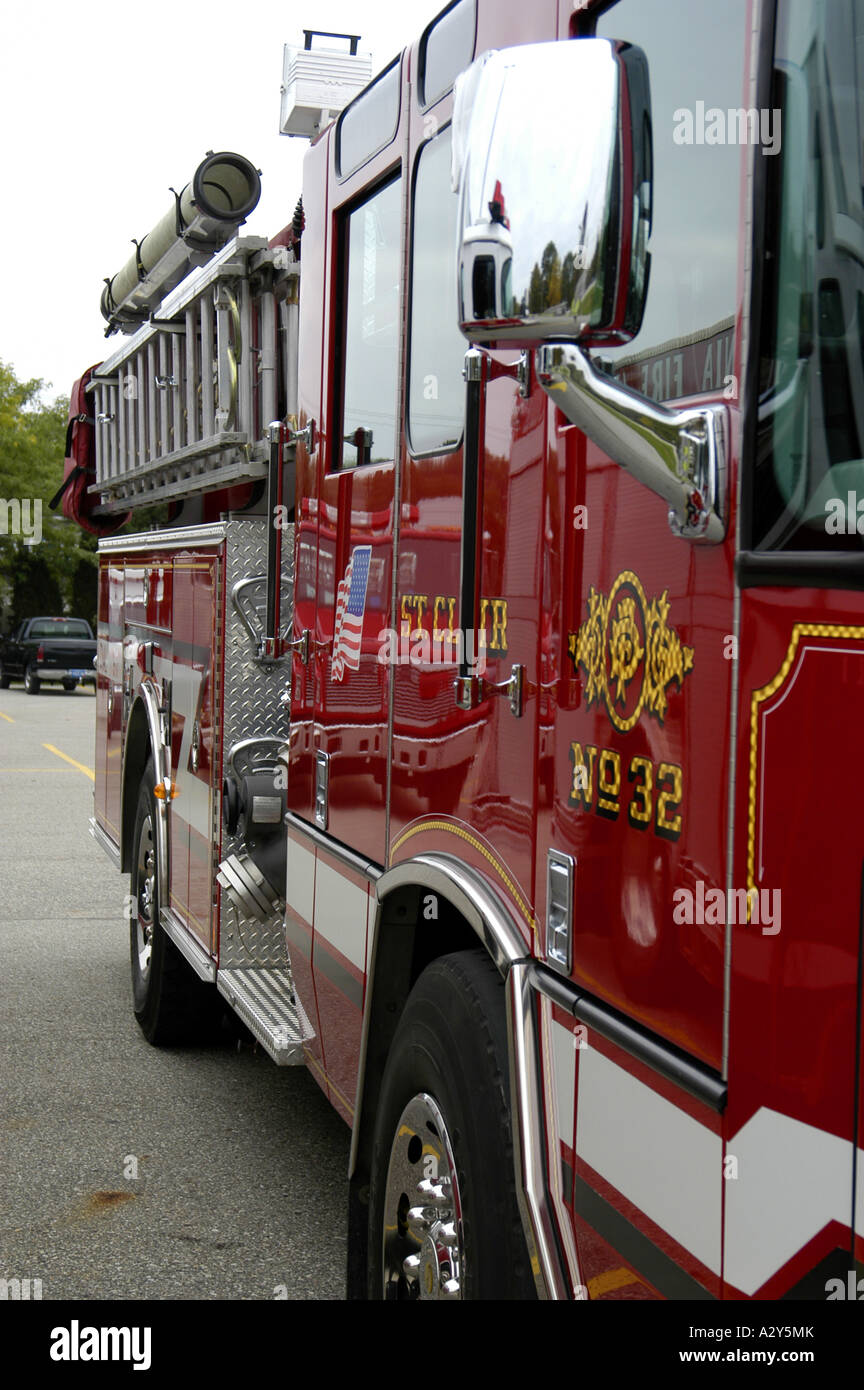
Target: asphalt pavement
129, 1172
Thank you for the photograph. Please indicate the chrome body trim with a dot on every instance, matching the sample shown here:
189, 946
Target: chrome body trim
699, 1080
355, 862
529, 1140
468, 891
105, 842
211, 534
186, 944
680, 455
149, 695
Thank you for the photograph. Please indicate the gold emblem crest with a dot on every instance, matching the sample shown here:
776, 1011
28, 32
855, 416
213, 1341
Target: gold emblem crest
629, 653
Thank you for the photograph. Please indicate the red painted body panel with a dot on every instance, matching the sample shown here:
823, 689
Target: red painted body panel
795, 1001
170, 602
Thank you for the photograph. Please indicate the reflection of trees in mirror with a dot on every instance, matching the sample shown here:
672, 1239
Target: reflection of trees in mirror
554, 284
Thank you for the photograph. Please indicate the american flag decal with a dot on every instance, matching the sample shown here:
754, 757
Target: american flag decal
350, 607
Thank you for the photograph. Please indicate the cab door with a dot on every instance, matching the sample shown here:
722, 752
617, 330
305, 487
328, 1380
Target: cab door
356, 523
795, 1005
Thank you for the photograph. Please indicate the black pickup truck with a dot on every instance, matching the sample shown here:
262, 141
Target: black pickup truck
48, 649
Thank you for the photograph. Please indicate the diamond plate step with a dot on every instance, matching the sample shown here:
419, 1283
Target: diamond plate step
265, 1001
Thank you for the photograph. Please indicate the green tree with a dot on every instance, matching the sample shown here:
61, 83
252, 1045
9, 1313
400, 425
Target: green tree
38, 562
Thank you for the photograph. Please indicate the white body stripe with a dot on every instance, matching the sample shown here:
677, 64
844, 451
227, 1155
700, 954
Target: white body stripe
300, 880
564, 1075
658, 1157
792, 1180
340, 913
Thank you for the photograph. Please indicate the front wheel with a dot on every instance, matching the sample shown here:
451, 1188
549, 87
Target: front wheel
32, 683
444, 1223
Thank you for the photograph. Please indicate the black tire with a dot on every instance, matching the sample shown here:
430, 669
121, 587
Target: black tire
172, 1005
70, 685
4, 679
447, 1070
32, 683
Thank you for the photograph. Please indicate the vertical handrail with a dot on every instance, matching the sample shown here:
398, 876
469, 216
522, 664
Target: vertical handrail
291, 320
111, 405
131, 388
227, 361
191, 376
153, 451
121, 422
267, 358
141, 407
177, 392
245, 364
99, 404
164, 398
208, 423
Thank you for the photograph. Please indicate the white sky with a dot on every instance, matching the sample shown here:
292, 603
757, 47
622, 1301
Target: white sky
103, 105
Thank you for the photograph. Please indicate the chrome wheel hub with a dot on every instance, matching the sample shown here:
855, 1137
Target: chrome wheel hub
423, 1251
146, 880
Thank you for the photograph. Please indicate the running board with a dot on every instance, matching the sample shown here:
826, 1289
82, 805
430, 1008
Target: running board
265, 1001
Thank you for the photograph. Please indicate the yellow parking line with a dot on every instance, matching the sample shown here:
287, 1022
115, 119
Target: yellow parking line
7, 717
88, 771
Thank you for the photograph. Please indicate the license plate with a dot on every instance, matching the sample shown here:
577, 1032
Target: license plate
79, 674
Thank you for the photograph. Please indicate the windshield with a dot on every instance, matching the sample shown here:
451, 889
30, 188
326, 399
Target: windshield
809, 479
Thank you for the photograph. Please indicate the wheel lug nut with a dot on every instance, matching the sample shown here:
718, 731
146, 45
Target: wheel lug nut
451, 1289
411, 1266
433, 1193
420, 1219
448, 1235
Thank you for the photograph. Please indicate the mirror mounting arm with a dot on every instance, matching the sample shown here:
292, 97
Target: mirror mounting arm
680, 455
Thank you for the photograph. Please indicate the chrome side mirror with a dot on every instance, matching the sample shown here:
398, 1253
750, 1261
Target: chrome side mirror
555, 185
552, 157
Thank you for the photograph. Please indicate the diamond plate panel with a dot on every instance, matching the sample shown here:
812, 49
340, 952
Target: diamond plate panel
252, 709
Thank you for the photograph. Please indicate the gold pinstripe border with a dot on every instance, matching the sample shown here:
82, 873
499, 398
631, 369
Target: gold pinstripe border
481, 849
764, 693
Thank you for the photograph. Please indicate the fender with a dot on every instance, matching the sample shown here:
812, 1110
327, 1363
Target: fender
484, 911
148, 696
498, 931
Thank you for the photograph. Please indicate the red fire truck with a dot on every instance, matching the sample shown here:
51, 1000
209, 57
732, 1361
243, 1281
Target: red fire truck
459, 724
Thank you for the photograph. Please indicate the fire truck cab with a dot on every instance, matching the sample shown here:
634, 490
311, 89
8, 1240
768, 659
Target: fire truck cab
460, 726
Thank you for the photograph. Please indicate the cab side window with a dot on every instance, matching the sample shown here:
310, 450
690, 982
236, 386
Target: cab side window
367, 431
435, 390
